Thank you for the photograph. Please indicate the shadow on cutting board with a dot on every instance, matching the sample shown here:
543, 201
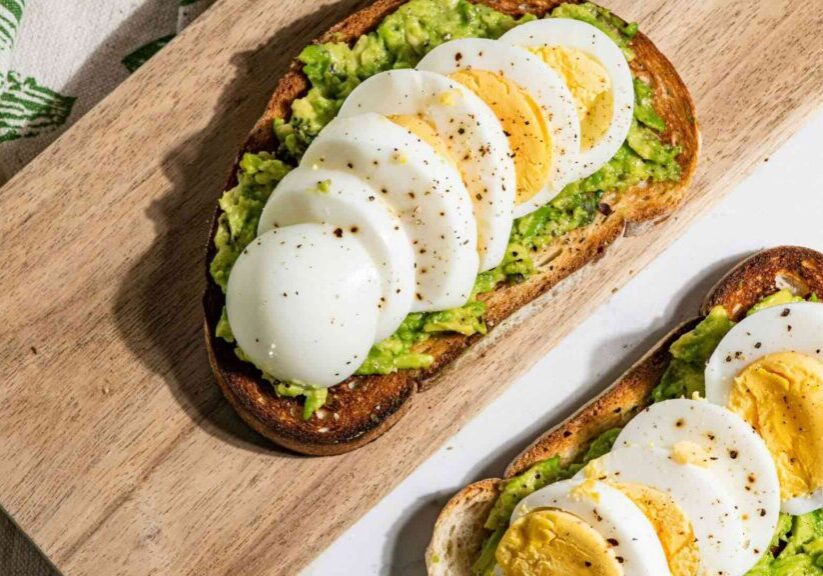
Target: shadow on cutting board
159, 304
158, 307
407, 540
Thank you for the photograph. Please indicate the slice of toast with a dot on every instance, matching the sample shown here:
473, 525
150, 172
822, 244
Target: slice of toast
363, 407
459, 533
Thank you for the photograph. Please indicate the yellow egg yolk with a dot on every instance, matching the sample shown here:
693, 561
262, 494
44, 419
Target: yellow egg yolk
524, 125
586, 490
673, 527
781, 396
555, 543
686, 452
421, 127
590, 85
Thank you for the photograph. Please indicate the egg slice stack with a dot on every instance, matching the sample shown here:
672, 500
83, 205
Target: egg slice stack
688, 489
694, 487
412, 189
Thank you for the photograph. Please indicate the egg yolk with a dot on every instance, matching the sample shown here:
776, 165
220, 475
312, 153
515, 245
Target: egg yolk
555, 543
673, 527
423, 129
524, 125
686, 452
590, 85
781, 396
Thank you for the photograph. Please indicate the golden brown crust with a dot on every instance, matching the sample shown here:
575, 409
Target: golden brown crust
456, 543
794, 267
361, 409
613, 408
747, 283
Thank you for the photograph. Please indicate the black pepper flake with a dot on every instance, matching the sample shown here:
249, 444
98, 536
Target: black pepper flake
604, 209
338, 232
785, 312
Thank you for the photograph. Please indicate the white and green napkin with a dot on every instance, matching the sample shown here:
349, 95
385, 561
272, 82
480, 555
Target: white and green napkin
58, 58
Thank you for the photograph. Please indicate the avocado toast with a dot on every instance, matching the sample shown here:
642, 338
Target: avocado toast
571, 231
771, 283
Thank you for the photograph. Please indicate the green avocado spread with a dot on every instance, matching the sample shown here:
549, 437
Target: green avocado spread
400, 41
797, 547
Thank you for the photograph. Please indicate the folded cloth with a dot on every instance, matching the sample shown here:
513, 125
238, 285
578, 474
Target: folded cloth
59, 58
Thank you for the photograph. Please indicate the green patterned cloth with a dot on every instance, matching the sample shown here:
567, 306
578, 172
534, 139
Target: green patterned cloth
58, 58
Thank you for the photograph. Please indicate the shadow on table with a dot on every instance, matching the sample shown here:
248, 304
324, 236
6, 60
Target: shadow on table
159, 304
408, 538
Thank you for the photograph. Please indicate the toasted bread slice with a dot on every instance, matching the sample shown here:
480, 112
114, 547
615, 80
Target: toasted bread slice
459, 533
362, 408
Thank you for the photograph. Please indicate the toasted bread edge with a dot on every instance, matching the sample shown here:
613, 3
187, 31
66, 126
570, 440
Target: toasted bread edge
362, 412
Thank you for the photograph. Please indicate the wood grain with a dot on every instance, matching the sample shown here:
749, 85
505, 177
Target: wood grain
118, 455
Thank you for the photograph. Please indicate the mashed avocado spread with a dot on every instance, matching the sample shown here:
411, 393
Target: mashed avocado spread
797, 547
400, 41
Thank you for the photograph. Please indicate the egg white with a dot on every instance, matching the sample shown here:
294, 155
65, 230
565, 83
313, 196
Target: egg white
737, 453
542, 83
793, 327
471, 130
701, 495
761, 334
613, 514
351, 205
426, 193
569, 33
303, 303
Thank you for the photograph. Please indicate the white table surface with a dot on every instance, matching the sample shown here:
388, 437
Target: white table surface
780, 203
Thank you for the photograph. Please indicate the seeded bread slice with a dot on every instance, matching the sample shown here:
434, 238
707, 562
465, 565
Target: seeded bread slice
459, 533
362, 408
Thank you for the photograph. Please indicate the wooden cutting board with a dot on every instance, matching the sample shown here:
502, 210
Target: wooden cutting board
118, 455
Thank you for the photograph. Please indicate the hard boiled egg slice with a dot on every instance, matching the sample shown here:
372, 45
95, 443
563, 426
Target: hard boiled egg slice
712, 437
452, 118
699, 493
769, 370
633, 548
351, 207
425, 191
598, 76
303, 303
531, 101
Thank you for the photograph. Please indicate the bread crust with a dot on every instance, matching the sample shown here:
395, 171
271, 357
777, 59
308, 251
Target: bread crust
743, 286
362, 408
